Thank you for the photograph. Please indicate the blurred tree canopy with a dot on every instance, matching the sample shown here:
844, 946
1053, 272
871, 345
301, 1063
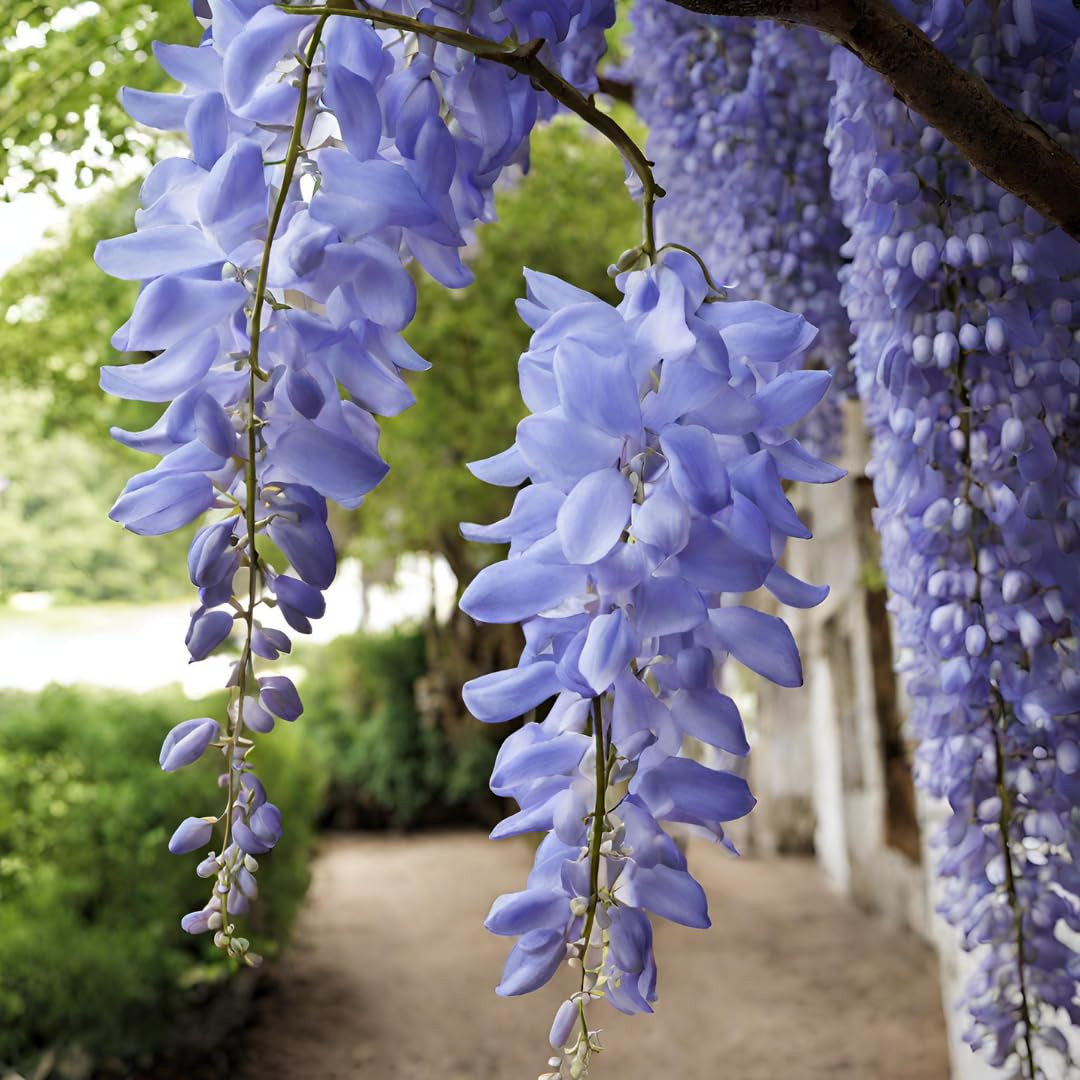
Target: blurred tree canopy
61, 69
55, 493
57, 314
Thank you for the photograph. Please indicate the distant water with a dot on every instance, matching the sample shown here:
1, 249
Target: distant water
140, 647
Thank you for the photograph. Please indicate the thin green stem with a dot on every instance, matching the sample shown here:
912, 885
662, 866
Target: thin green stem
246, 671
524, 60
596, 838
669, 245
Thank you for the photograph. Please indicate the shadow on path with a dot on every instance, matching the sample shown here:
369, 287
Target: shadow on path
391, 977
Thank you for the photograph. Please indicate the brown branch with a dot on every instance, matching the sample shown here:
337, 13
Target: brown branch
1003, 145
616, 88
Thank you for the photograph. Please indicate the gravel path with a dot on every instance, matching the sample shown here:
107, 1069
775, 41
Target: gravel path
390, 977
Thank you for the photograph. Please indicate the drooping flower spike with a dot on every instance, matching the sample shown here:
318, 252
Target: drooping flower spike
966, 307
325, 154
655, 455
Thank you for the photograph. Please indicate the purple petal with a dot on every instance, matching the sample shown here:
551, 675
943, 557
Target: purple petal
663, 521
563, 1024
268, 37
278, 694
187, 742
532, 962
305, 394
697, 469
213, 427
594, 515
532, 909
795, 463
164, 504
167, 375
210, 552
339, 468
308, 545
793, 592
762, 642
714, 562
712, 718
207, 631
791, 395
503, 695
149, 253
758, 480
511, 591
667, 605
357, 109
671, 894
192, 833
760, 331
300, 596
505, 469
610, 646
166, 112
170, 309
547, 757
533, 516
597, 389
562, 450
679, 789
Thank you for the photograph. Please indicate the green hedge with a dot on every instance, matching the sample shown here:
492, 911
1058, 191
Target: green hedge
386, 767
91, 951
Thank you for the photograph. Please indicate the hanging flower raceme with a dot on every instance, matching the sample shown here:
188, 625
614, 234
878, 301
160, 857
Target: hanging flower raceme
966, 306
737, 110
655, 453
326, 153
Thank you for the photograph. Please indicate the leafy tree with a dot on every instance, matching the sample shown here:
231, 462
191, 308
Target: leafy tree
61, 71
57, 314
57, 537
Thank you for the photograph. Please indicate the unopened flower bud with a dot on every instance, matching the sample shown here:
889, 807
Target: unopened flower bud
563, 1024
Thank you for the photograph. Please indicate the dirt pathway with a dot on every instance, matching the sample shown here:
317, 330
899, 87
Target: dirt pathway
391, 977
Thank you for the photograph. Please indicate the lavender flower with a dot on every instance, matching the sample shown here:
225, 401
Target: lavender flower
965, 308
325, 154
655, 451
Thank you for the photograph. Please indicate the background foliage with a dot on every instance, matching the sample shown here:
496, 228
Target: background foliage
56, 535
386, 765
61, 69
91, 950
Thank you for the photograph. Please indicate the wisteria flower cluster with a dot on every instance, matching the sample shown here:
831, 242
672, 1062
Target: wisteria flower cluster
966, 308
325, 153
655, 453
737, 110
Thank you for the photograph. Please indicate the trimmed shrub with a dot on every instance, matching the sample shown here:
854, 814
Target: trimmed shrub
92, 956
387, 767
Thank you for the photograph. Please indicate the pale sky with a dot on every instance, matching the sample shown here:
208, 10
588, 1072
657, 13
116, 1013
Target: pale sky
23, 224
